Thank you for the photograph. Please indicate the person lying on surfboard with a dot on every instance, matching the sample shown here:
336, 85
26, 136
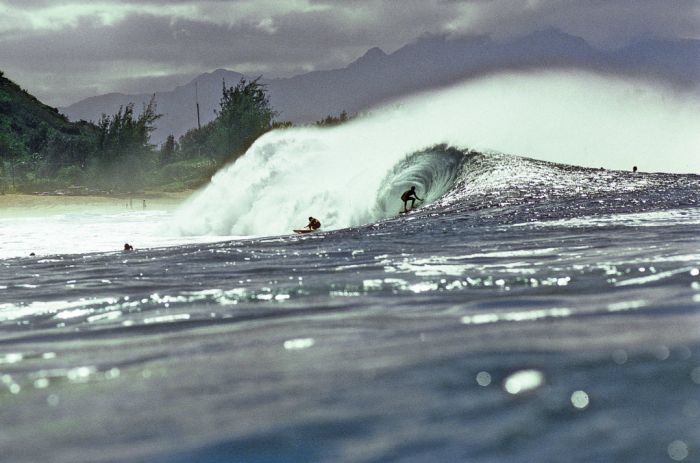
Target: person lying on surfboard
409, 195
314, 224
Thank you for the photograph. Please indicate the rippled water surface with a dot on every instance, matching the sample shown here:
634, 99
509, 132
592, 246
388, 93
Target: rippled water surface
534, 312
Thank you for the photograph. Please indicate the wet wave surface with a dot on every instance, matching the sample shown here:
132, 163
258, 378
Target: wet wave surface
530, 312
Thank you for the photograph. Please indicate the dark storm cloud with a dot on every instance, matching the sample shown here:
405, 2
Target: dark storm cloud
64, 51
160, 40
604, 23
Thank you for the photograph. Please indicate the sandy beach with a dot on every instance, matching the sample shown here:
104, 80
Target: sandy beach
24, 204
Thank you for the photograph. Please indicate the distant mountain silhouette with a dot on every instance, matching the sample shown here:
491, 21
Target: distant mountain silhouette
431, 61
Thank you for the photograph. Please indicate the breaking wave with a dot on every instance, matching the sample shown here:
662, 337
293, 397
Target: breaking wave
354, 174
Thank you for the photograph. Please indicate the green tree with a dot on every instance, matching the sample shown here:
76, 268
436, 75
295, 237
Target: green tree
124, 134
12, 150
331, 121
245, 113
282, 125
198, 143
168, 149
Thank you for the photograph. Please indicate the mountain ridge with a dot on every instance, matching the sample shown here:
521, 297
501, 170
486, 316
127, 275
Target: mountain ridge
429, 62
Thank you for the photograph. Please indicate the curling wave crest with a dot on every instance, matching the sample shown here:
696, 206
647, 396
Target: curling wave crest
353, 174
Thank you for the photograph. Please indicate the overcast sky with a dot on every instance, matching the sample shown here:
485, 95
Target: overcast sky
63, 51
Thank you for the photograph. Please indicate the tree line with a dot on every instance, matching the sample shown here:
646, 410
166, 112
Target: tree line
42, 151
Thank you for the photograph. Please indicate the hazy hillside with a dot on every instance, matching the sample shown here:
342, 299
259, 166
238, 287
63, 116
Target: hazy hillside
37, 143
33, 134
26, 120
42, 151
428, 62
177, 106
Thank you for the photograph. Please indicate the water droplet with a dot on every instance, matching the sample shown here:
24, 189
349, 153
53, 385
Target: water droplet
695, 375
691, 409
684, 353
579, 399
41, 383
662, 352
483, 378
619, 356
678, 450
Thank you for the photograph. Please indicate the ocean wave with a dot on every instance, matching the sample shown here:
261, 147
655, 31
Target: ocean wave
448, 143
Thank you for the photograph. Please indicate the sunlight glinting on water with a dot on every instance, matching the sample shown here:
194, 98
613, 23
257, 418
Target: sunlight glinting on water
10, 312
524, 316
523, 381
652, 278
690, 216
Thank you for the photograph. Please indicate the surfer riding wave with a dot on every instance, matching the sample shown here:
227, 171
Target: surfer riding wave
409, 195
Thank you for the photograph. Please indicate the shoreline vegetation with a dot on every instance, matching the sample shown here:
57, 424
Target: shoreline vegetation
43, 153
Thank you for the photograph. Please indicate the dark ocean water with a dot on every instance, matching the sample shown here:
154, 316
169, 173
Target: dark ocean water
531, 312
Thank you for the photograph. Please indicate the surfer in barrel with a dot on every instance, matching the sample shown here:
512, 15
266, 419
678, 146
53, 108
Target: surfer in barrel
409, 195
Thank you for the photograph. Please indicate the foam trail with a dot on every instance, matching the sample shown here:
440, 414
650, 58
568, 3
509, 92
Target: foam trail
338, 174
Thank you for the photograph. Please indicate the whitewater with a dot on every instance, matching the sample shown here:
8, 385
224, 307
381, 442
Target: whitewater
542, 304
349, 174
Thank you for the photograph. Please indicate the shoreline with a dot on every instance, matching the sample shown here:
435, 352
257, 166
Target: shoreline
27, 203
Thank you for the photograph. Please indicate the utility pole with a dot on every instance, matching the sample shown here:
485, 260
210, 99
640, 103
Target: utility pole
12, 169
196, 98
228, 117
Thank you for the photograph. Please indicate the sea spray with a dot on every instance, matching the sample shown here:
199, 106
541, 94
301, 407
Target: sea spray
340, 174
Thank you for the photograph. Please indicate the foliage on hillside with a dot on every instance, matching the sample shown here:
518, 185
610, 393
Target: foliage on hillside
35, 140
332, 121
41, 150
244, 114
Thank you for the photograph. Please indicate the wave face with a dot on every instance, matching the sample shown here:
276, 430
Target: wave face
433, 172
353, 174
291, 175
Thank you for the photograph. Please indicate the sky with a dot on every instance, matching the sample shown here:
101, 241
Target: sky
64, 51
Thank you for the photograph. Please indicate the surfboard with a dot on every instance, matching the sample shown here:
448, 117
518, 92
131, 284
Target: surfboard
401, 211
303, 230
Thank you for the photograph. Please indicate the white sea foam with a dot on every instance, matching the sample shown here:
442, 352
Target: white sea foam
341, 174
89, 231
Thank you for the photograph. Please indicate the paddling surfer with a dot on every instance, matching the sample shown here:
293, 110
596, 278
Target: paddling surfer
409, 195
